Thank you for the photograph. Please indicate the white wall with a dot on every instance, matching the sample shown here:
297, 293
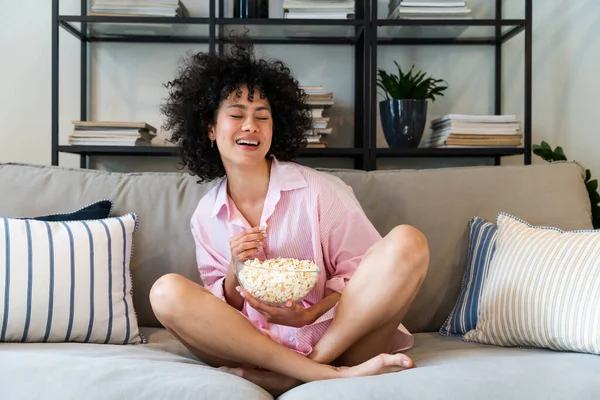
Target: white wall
126, 80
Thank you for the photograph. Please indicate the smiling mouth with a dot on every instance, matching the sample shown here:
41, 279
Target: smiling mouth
244, 142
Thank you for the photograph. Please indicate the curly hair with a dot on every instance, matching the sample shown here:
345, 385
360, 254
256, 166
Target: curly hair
205, 79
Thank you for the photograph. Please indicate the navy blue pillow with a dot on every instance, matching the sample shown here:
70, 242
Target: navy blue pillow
482, 244
98, 210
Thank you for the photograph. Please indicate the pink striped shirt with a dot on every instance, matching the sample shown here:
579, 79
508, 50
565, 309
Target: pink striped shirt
310, 215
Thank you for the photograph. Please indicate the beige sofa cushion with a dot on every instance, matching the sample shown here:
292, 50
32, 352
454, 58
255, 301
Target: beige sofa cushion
161, 369
439, 202
447, 368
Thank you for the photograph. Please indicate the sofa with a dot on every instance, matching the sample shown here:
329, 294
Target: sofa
439, 202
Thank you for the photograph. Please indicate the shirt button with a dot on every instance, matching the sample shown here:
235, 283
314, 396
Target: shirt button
291, 339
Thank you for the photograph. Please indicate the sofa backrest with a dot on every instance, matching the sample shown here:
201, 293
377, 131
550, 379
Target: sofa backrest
439, 202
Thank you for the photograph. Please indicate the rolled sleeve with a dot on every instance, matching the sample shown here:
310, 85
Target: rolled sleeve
211, 265
345, 248
217, 288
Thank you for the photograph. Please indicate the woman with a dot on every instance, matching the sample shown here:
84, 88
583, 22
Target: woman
242, 121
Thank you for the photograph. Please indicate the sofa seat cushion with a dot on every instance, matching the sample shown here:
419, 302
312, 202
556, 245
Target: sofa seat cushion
449, 368
161, 369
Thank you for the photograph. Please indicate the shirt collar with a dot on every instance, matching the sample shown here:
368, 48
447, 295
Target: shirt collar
284, 177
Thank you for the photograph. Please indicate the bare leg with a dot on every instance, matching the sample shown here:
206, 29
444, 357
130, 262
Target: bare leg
376, 299
401, 259
214, 329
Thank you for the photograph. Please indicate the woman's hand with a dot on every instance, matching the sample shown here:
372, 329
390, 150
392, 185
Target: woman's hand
291, 314
249, 243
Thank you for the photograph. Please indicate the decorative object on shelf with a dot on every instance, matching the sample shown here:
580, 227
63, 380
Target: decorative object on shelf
250, 8
544, 151
404, 112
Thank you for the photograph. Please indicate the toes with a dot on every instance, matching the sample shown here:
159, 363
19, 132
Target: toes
396, 360
234, 371
403, 360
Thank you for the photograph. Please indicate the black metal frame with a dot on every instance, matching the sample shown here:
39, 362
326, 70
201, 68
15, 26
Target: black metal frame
365, 40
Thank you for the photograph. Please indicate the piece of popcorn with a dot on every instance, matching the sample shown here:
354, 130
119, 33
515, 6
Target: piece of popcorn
280, 279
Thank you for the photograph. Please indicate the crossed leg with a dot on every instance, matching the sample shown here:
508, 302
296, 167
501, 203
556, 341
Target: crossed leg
370, 309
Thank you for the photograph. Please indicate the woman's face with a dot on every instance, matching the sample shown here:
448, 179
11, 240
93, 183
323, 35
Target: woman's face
243, 130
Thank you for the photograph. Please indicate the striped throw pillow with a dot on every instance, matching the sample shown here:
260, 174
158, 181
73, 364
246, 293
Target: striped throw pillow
67, 281
542, 289
482, 243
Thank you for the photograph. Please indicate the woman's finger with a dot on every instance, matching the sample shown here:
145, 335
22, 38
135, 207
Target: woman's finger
256, 304
247, 254
247, 246
251, 238
256, 230
246, 249
254, 237
243, 233
248, 297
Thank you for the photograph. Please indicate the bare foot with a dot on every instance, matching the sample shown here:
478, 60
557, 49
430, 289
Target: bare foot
381, 364
272, 382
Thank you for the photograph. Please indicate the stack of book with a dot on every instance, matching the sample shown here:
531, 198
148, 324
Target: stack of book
111, 133
456, 130
150, 8
318, 9
419, 9
318, 99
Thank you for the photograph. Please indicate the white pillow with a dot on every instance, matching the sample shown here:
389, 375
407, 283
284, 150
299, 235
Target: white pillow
67, 281
542, 289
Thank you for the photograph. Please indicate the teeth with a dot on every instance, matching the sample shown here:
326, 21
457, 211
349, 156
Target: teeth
251, 142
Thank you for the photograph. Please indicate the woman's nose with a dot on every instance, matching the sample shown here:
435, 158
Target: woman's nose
249, 125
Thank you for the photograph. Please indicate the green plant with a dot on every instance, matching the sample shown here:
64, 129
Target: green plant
545, 152
409, 85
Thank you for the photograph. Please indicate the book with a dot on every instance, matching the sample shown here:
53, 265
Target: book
108, 142
474, 142
475, 118
112, 124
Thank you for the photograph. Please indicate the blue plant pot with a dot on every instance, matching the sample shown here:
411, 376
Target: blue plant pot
403, 122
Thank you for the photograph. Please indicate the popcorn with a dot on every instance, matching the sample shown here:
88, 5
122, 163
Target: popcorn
279, 280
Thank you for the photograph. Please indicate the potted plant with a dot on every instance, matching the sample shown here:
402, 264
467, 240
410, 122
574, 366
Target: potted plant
404, 111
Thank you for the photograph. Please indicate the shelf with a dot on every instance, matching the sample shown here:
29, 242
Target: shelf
168, 151
299, 31
310, 152
446, 31
366, 34
450, 152
197, 30
283, 31
137, 29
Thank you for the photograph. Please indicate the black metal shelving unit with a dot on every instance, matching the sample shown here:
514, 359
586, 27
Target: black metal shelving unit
361, 33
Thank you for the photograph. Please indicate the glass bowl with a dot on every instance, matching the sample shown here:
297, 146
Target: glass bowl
275, 281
